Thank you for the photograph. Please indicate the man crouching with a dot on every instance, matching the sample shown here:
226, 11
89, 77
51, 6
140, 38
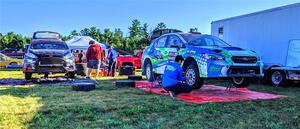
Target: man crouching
172, 78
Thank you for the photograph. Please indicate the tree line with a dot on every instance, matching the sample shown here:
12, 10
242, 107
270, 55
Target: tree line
137, 39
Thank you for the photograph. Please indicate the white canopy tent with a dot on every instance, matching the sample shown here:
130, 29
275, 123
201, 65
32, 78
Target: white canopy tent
82, 43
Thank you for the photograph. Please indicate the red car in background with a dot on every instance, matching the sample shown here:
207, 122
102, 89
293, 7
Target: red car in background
130, 60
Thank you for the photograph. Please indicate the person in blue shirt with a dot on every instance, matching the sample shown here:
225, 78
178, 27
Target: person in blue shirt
111, 55
173, 79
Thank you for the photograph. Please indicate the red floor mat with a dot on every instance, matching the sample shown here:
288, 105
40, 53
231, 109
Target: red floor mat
212, 93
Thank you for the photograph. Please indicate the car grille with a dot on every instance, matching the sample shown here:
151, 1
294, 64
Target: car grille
244, 70
244, 59
51, 61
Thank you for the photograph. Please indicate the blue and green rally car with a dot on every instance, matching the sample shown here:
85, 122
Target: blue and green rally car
205, 56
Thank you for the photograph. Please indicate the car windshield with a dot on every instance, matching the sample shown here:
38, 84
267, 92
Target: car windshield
46, 35
58, 46
207, 40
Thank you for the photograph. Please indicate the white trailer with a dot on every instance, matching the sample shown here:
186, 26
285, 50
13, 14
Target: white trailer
273, 33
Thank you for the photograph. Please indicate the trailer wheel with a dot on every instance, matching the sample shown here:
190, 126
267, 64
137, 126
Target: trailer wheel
193, 78
28, 76
277, 78
240, 82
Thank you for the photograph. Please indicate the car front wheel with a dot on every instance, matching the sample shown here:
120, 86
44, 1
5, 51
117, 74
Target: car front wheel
192, 77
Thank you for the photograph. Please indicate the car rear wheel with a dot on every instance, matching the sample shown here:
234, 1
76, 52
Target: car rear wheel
149, 72
240, 82
193, 78
28, 76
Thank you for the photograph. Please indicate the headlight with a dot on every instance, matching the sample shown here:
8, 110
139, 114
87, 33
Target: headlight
30, 55
69, 56
213, 57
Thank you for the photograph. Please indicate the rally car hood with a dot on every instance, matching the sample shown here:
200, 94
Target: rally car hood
51, 53
233, 51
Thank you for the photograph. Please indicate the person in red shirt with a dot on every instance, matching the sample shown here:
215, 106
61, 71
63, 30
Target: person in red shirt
94, 57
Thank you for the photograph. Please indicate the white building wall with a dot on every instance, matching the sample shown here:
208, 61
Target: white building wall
267, 32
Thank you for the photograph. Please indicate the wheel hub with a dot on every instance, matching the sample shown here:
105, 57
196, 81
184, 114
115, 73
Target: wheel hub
148, 72
276, 78
191, 77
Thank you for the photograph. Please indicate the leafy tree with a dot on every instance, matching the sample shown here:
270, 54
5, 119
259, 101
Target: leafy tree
107, 35
135, 28
74, 33
161, 25
85, 32
144, 30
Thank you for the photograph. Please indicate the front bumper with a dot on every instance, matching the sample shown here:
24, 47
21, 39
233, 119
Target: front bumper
49, 65
220, 69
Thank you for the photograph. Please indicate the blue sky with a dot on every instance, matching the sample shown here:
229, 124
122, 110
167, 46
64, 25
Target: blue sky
26, 16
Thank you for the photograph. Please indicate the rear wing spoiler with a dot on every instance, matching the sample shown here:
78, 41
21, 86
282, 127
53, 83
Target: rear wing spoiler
157, 33
46, 35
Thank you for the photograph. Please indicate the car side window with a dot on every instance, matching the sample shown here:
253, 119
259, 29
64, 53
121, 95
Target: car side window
161, 42
209, 42
2, 58
174, 41
199, 42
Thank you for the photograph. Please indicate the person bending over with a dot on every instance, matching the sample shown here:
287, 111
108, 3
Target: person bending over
172, 78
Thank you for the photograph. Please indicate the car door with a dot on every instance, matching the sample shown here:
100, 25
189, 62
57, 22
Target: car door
3, 60
160, 55
174, 46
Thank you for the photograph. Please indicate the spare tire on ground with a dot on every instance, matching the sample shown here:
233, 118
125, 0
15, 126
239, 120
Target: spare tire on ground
84, 85
135, 77
125, 83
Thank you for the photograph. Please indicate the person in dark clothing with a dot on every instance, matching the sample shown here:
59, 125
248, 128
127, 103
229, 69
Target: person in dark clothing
80, 56
111, 61
94, 57
172, 78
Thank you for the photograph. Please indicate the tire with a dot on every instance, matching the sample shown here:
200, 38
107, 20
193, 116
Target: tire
28, 76
240, 82
149, 72
125, 83
13, 63
135, 77
84, 85
277, 78
71, 75
193, 78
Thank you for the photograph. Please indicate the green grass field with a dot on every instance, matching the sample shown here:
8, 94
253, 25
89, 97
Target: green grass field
34, 106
